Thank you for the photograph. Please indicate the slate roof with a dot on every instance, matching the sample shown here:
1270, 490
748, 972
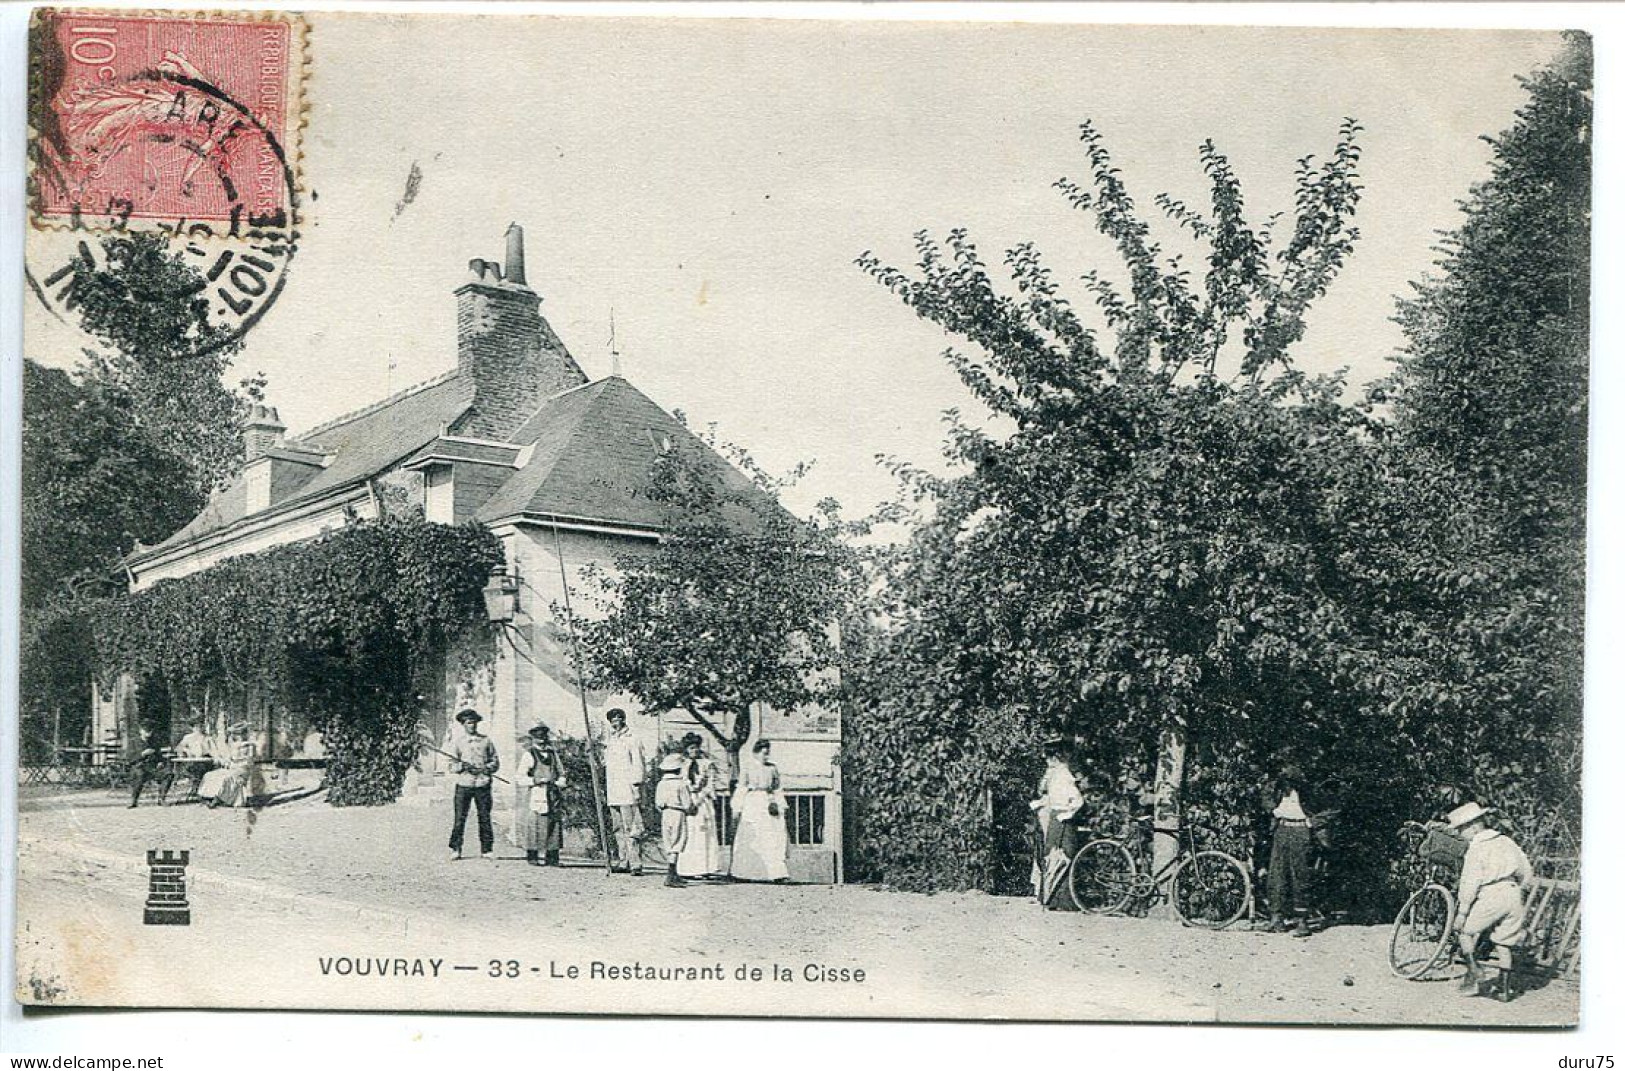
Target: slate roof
594, 447
364, 444
589, 450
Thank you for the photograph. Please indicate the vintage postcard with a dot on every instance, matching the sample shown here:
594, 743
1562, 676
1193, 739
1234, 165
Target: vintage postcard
761, 517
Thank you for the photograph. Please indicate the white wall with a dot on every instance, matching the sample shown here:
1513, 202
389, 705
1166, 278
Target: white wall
256, 535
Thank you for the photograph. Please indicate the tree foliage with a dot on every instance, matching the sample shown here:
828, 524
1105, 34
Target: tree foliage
737, 605
162, 358
344, 628
124, 450
93, 483
1141, 553
1171, 532
1491, 391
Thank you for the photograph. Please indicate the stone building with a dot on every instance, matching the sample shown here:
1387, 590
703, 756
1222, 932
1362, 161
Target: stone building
517, 438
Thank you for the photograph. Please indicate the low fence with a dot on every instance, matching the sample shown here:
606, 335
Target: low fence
69, 774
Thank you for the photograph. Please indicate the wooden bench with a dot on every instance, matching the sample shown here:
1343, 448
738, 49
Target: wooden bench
1552, 943
1553, 908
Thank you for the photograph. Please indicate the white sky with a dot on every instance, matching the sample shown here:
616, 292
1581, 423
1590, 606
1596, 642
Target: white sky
712, 184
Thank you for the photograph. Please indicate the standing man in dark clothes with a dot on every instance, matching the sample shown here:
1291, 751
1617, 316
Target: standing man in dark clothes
474, 761
1292, 831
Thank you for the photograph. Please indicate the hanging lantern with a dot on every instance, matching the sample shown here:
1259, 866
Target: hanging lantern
502, 596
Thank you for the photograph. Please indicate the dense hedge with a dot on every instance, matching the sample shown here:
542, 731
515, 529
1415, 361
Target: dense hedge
345, 627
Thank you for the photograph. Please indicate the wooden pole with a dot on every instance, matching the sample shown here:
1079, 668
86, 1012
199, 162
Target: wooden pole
586, 718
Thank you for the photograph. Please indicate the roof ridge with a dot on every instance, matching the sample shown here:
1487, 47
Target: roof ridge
355, 414
551, 398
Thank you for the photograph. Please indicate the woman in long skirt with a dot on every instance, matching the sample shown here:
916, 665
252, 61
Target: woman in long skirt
540, 819
701, 856
761, 841
238, 779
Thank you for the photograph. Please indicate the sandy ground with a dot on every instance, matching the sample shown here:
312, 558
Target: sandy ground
281, 898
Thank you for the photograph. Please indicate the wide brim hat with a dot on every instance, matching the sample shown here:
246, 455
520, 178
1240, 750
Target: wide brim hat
671, 763
1055, 740
539, 732
1467, 812
469, 715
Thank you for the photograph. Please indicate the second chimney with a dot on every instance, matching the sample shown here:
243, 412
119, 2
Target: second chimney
261, 431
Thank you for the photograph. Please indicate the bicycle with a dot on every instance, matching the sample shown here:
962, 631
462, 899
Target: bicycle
1206, 888
1422, 931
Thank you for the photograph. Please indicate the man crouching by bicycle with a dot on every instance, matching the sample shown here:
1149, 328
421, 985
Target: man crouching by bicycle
1490, 896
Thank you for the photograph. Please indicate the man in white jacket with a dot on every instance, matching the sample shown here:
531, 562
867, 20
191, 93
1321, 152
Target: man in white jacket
624, 766
1490, 896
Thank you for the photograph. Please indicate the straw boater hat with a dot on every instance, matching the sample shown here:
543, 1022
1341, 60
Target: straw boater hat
672, 763
1467, 812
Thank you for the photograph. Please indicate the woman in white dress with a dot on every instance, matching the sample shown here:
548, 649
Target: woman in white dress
761, 841
238, 778
701, 856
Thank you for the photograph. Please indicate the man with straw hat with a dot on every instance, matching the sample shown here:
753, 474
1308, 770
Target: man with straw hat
1489, 897
541, 775
676, 803
474, 760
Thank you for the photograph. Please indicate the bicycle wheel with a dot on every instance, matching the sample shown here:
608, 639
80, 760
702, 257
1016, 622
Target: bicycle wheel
1211, 889
1421, 934
1101, 877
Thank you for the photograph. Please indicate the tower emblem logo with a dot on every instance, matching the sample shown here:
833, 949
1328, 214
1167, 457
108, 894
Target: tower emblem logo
166, 889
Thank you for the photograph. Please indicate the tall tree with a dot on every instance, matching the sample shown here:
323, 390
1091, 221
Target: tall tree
1491, 389
739, 604
1141, 562
162, 358
125, 449
93, 483
1494, 374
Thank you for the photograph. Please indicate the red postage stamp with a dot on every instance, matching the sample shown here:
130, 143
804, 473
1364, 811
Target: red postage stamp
170, 117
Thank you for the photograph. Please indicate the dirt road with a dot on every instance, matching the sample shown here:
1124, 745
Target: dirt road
288, 905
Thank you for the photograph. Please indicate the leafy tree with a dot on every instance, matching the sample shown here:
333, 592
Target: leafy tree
126, 449
1494, 375
1491, 391
739, 603
1143, 561
93, 483
1183, 546
162, 357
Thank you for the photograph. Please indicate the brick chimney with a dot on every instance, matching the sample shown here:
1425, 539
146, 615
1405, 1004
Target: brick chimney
261, 431
506, 346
